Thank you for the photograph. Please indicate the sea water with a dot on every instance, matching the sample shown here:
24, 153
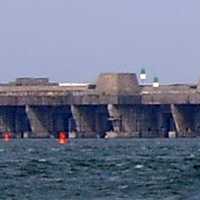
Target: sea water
98, 169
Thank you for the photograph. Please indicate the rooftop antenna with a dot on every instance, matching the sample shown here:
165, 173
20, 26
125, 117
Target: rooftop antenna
156, 83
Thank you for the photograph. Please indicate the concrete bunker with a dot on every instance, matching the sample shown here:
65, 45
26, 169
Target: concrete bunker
118, 84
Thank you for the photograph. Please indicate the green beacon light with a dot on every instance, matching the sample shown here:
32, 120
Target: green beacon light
156, 83
143, 75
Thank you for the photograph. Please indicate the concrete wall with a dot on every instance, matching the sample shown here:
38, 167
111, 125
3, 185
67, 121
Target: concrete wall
91, 121
118, 84
117, 104
184, 118
46, 121
134, 121
41, 120
14, 119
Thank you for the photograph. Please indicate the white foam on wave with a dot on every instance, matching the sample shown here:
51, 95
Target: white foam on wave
122, 187
120, 164
192, 155
139, 166
42, 160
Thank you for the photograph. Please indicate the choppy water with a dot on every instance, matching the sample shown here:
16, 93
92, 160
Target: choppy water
100, 169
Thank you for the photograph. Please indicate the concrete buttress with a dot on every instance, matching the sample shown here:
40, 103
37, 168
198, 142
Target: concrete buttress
133, 121
41, 121
91, 121
183, 116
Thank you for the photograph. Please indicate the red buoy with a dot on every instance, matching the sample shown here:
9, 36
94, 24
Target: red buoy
7, 136
63, 138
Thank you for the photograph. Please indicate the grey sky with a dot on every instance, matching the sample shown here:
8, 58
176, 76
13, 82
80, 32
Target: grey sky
74, 40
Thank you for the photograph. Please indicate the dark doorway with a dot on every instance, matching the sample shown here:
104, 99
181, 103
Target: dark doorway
167, 124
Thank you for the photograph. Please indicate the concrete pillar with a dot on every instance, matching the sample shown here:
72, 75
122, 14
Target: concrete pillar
161, 125
115, 116
124, 119
183, 116
84, 118
41, 120
91, 121
196, 124
134, 121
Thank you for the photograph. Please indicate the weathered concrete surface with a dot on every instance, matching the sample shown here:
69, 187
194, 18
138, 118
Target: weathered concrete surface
118, 103
91, 121
69, 99
134, 121
184, 120
41, 120
171, 94
118, 84
196, 119
56, 95
124, 120
48, 120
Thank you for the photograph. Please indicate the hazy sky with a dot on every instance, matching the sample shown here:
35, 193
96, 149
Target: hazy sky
75, 40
